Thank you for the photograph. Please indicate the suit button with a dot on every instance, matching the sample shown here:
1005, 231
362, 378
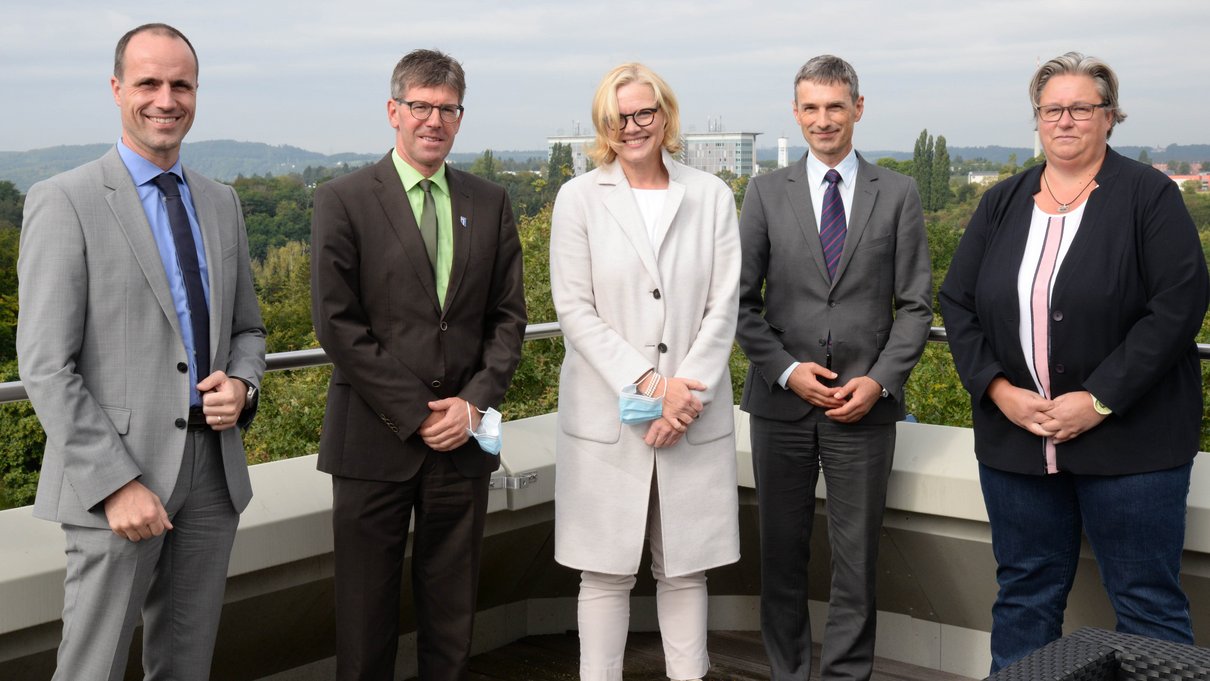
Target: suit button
1059, 368
182, 367
181, 423
436, 384
822, 342
656, 294
831, 303
662, 348
1057, 315
444, 326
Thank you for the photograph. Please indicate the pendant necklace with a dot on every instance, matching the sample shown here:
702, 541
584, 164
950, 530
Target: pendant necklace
1064, 207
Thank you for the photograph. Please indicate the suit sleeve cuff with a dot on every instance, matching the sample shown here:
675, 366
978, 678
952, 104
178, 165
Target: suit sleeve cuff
784, 379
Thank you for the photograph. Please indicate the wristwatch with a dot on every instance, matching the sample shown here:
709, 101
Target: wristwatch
250, 396
1100, 407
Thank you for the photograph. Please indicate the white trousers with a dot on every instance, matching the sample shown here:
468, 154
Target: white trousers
604, 615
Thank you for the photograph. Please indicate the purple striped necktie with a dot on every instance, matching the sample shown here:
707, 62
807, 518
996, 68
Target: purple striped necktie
832, 223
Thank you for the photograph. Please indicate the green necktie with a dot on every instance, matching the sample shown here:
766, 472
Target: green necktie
428, 223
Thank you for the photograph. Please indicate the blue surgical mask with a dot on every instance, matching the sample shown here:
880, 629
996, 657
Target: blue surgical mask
634, 407
488, 432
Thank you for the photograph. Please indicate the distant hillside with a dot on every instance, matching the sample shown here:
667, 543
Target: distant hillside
228, 159
219, 159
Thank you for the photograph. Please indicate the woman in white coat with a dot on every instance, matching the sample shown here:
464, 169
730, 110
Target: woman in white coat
644, 268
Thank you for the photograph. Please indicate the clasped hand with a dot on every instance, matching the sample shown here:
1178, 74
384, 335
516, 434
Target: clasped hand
848, 403
1064, 418
446, 427
681, 409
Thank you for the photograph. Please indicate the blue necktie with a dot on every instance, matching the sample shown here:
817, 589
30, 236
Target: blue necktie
832, 223
186, 257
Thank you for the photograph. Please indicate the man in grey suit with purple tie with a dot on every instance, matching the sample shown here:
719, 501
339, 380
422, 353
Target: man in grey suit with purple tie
141, 347
835, 306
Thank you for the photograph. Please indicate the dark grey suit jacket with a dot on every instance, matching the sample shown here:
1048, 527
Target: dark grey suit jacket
877, 311
393, 348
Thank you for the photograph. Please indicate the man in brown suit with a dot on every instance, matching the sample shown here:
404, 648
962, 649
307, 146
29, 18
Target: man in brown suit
417, 298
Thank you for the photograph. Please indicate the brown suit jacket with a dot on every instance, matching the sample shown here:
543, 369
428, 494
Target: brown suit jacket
393, 349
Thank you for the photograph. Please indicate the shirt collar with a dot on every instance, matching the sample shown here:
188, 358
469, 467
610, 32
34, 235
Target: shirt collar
143, 171
410, 177
847, 168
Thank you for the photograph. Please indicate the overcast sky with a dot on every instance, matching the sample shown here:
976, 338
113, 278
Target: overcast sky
315, 74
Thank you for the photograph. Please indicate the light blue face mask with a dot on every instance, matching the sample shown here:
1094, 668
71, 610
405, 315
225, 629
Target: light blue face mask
634, 407
488, 432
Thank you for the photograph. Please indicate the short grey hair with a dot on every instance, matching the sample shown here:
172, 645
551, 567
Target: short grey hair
827, 69
427, 68
1079, 64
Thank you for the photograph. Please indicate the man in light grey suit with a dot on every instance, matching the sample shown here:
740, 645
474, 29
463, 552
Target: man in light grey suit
141, 346
835, 293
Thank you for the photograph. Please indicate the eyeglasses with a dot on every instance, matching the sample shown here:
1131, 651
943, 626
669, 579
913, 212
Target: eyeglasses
1051, 113
641, 118
450, 113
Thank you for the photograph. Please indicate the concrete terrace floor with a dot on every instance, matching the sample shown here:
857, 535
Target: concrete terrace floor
734, 656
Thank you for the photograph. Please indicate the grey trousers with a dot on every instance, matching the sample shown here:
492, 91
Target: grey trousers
856, 462
175, 581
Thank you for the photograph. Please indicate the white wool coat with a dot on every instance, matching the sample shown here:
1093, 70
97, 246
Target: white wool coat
627, 303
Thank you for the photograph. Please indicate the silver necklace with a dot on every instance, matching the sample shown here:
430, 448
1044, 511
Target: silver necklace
1064, 207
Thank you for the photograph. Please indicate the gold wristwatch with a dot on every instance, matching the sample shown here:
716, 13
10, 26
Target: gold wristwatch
1100, 407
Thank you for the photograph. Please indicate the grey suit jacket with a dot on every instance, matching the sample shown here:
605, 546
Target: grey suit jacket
877, 311
98, 342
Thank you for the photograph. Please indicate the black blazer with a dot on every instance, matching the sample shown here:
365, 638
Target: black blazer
1125, 308
393, 349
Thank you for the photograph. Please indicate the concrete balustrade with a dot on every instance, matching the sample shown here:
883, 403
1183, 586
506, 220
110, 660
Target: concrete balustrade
937, 574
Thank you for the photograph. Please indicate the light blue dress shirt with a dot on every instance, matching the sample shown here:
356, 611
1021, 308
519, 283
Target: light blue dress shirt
816, 169
143, 172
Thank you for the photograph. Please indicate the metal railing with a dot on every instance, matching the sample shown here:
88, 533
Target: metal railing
13, 391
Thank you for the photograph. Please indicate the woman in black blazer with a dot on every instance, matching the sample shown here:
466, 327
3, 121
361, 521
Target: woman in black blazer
1071, 308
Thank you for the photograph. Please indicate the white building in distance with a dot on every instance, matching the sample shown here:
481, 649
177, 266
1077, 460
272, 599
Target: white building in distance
709, 151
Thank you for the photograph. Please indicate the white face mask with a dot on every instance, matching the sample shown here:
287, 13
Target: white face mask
488, 432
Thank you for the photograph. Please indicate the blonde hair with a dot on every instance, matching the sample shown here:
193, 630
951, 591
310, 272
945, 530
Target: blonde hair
605, 114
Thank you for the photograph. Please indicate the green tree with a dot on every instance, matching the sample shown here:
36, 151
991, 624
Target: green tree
486, 166
922, 168
21, 445
903, 167
533, 390
9, 240
940, 193
1011, 167
559, 169
1183, 168
12, 203
1144, 157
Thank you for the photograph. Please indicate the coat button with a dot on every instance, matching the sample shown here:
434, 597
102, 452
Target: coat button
181, 423
182, 367
656, 294
822, 342
444, 326
831, 303
1059, 368
436, 384
662, 347
1057, 315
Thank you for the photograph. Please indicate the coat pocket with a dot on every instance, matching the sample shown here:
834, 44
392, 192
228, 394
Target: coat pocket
119, 417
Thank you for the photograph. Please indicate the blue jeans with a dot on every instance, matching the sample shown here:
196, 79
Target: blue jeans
1136, 527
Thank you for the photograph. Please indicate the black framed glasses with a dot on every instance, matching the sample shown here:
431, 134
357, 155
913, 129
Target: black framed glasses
641, 118
450, 113
1051, 113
